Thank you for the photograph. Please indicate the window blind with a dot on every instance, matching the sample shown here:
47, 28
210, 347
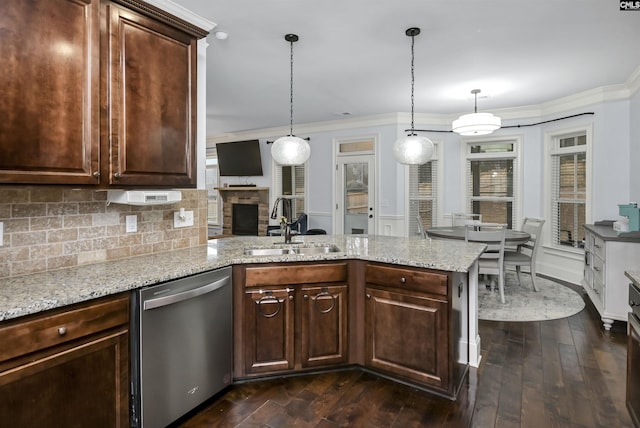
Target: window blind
422, 196
290, 182
568, 198
492, 175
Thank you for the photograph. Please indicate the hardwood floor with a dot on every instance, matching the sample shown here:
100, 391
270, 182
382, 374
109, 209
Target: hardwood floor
561, 373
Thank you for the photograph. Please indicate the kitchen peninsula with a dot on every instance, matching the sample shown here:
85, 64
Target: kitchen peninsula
384, 275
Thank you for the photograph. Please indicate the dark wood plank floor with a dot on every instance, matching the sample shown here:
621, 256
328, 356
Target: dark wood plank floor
561, 373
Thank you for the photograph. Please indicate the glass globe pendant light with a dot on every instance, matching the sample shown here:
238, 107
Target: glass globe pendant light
290, 150
412, 149
476, 123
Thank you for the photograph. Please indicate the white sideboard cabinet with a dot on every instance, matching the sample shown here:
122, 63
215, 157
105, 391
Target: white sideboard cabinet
607, 256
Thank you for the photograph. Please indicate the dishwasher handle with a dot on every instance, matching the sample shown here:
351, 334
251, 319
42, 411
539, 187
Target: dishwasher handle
159, 302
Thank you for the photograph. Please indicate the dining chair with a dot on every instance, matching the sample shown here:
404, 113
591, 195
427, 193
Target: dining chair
525, 254
421, 229
491, 261
462, 219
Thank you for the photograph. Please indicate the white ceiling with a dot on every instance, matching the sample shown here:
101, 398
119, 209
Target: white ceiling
353, 56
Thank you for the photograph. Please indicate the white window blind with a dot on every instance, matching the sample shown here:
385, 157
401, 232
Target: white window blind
290, 182
491, 172
568, 188
422, 196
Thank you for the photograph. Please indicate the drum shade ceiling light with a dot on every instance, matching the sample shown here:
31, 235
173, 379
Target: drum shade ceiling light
412, 149
290, 150
476, 123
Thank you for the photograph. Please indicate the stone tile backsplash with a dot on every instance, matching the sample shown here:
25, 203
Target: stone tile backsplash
51, 228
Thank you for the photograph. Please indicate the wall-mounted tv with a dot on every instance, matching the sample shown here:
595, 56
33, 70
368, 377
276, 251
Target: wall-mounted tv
239, 158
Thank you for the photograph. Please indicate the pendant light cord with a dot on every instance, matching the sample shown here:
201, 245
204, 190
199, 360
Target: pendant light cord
291, 93
412, 82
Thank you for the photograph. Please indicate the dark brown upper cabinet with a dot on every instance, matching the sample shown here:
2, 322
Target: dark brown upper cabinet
99, 93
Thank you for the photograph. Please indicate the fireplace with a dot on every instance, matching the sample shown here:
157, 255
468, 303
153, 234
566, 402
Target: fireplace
244, 219
258, 197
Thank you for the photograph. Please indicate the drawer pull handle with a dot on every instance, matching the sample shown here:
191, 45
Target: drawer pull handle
403, 280
62, 331
368, 296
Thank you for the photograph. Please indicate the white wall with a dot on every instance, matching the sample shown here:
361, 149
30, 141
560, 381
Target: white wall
616, 166
634, 152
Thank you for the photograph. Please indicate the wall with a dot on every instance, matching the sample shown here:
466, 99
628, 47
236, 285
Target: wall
634, 158
49, 228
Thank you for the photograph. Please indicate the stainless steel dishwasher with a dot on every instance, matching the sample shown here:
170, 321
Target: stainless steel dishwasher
181, 347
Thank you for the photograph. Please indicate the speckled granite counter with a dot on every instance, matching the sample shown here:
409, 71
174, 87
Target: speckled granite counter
29, 294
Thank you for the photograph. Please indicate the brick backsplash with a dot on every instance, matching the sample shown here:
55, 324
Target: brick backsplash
52, 228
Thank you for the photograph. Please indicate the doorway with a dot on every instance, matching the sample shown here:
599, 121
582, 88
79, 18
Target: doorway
355, 187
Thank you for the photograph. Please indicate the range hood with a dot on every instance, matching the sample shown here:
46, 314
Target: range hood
144, 197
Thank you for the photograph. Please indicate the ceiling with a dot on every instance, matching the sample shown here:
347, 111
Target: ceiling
353, 57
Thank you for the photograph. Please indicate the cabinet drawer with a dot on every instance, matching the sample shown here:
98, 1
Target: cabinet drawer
296, 274
20, 337
598, 289
598, 267
407, 278
598, 247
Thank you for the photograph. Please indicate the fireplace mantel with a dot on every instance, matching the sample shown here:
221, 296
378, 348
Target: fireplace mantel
244, 195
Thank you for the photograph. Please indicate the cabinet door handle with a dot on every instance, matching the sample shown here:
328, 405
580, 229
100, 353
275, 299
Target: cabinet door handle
117, 175
267, 299
62, 331
368, 296
325, 292
96, 174
596, 268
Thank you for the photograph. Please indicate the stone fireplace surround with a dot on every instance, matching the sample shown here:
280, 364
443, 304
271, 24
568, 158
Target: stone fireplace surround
246, 196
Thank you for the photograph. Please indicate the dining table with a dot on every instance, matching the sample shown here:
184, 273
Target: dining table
512, 237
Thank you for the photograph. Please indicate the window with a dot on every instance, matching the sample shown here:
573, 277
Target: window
212, 181
422, 196
568, 189
290, 182
492, 181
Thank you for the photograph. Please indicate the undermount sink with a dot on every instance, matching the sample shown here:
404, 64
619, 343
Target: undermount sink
306, 250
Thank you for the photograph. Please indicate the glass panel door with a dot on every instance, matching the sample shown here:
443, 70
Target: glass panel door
355, 201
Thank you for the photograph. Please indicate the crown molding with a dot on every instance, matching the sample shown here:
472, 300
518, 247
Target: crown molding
179, 12
429, 120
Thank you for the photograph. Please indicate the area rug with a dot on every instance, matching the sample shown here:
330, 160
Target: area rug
551, 301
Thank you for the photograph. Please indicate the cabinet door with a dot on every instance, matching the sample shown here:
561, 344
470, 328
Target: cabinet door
83, 385
269, 330
49, 76
149, 101
323, 326
407, 335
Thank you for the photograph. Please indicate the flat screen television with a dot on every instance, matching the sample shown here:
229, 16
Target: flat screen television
239, 158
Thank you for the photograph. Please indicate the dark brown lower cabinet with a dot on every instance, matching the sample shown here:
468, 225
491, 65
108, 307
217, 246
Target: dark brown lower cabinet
323, 327
292, 317
268, 317
67, 368
401, 322
406, 335
409, 325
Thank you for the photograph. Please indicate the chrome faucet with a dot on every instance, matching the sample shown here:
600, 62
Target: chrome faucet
286, 211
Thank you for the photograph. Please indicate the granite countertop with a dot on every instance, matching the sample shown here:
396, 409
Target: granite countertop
28, 294
634, 276
608, 234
